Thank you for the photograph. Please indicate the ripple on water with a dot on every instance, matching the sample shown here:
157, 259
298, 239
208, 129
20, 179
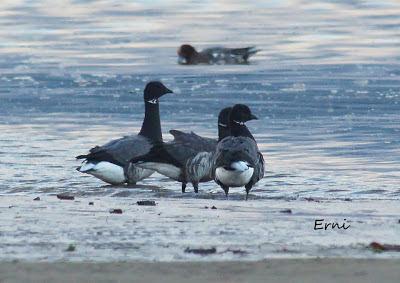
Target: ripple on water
326, 96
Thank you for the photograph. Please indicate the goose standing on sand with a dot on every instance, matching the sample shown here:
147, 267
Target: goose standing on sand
238, 162
216, 55
188, 158
110, 162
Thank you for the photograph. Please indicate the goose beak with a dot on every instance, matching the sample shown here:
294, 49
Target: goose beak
253, 117
168, 91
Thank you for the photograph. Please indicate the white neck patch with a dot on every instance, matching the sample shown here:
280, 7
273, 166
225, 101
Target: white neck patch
238, 122
222, 125
153, 101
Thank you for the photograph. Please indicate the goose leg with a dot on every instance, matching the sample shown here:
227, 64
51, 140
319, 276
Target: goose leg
248, 188
183, 187
225, 188
196, 187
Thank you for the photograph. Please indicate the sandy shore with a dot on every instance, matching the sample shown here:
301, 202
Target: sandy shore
276, 270
239, 230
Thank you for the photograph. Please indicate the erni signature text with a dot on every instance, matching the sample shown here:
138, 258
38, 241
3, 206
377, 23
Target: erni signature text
321, 224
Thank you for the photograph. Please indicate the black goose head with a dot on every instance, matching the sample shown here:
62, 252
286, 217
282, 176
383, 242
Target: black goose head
223, 123
151, 127
240, 114
186, 54
154, 90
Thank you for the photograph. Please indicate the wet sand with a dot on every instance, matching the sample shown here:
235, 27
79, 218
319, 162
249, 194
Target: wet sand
277, 270
239, 231
326, 93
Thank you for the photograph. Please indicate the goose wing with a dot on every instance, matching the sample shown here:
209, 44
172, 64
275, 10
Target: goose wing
119, 151
194, 141
232, 149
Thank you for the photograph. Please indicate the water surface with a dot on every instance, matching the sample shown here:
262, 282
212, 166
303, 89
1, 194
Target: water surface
325, 87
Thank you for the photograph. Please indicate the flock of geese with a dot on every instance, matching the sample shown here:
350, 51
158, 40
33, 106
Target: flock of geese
232, 160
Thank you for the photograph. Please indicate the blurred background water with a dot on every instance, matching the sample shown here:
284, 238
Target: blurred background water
325, 86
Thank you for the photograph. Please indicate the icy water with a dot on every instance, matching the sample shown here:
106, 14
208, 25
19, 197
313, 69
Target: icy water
325, 87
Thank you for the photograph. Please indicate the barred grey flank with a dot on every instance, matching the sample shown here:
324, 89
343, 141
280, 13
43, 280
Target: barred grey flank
200, 168
241, 147
135, 174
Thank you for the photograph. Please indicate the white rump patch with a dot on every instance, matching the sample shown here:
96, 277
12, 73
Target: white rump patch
86, 167
168, 170
237, 177
105, 171
240, 165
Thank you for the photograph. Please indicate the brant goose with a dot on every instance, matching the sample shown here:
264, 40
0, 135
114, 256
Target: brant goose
216, 55
110, 162
238, 162
188, 158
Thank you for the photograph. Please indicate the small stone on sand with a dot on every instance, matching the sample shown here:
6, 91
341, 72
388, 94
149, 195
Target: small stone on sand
71, 248
378, 247
201, 251
65, 197
146, 202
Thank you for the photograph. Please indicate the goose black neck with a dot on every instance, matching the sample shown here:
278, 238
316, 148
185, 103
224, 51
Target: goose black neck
223, 131
239, 130
151, 127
